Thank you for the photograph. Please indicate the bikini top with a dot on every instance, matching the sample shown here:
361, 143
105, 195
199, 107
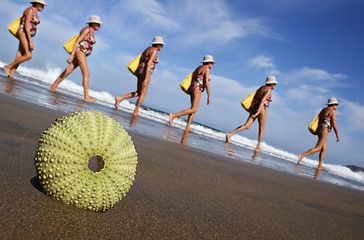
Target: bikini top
89, 38
146, 61
201, 76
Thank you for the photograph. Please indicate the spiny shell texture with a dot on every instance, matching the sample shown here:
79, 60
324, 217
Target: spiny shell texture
64, 149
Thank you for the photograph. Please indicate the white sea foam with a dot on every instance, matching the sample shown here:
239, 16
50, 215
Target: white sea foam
50, 73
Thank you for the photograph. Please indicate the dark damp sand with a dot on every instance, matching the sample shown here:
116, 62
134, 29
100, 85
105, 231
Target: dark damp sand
179, 193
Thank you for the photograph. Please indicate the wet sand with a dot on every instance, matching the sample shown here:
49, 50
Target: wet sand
179, 193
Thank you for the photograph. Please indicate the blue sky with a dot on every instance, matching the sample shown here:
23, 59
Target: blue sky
315, 49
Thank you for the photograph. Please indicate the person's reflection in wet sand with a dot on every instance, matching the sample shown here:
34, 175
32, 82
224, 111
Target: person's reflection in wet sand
184, 137
11, 86
317, 173
134, 120
255, 155
174, 136
55, 99
229, 150
80, 105
166, 135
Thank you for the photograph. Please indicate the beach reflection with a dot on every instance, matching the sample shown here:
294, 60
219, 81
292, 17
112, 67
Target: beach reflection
133, 120
255, 155
80, 105
174, 136
317, 173
184, 137
11, 86
235, 152
229, 150
56, 99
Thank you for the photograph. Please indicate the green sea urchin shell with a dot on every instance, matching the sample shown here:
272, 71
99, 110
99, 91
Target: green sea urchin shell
64, 149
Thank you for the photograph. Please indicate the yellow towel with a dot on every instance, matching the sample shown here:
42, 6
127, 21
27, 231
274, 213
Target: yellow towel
313, 125
247, 102
13, 28
68, 46
133, 65
186, 83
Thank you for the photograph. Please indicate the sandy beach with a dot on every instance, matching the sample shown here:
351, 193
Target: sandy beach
179, 193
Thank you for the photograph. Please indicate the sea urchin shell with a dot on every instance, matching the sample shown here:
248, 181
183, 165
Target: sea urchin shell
64, 149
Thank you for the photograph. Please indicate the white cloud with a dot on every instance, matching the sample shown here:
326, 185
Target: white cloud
319, 76
11, 9
307, 95
57, 28
354, 112
263, 62
223, 86
153, 13
215, 24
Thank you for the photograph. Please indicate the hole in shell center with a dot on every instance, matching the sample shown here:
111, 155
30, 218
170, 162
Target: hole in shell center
96, 164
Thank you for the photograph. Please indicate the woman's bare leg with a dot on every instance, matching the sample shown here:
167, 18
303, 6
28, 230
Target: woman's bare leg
189, 122
82, 62
23, 54
143, 84
262, 118
195, 100
72, 66
18, 54
118, 99
245, 126
321, 142
322, 155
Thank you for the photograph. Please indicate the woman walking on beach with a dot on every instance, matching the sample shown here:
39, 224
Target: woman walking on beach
82, 48
258, 110
145, 69
27, 30
327, 120
200, 81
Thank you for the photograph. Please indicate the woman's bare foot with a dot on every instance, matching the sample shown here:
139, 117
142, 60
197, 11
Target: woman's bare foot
299, 159
227, 138
321, 168
170, 119
52, 89
89, 99
117, 101
8, 71
188, 129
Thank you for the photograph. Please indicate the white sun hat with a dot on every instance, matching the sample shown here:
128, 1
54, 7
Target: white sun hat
158, 40
94, 19
332, 101
207, 59
271, 80
39, 1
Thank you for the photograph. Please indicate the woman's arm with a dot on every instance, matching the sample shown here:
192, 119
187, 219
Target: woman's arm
334, 126
152, 58
28, 16
207, 83
266, 95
